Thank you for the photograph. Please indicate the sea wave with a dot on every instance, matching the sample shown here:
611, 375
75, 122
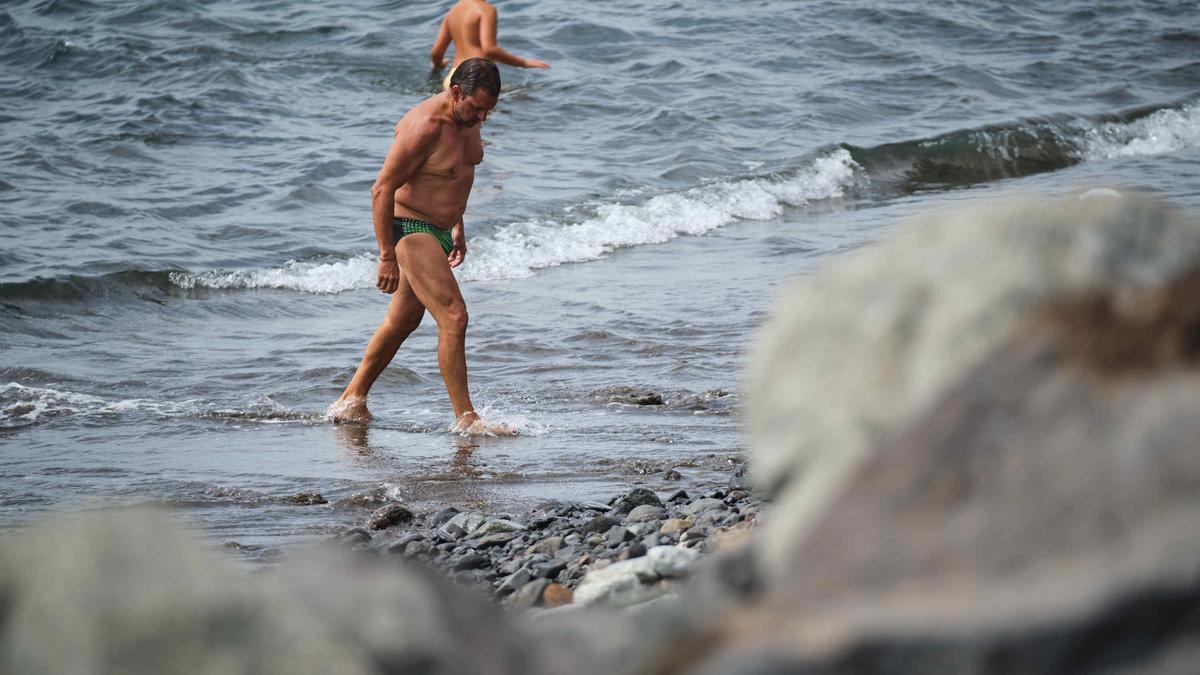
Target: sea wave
134, 284
995, 152
296, 275
23, 405
959, 158
520, 249
1162, 131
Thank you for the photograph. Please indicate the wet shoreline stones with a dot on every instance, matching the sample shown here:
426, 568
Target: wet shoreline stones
631, 549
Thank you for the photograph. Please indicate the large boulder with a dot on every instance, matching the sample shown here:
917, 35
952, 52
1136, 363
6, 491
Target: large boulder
993, 467
856, 351
1040, 517
130, 592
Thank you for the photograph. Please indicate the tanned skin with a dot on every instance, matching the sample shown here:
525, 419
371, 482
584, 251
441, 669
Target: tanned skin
427, 175
471, 26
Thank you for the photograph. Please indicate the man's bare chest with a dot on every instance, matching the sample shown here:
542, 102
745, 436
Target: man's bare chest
454, 156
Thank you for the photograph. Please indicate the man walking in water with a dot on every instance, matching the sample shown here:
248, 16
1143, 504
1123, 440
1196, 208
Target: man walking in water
417, 204
471, 26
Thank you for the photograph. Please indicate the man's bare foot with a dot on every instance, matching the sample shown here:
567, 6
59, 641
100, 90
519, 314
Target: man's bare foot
470, 424
350, 409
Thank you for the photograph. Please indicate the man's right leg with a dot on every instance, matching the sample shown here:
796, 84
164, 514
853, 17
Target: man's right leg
404, 314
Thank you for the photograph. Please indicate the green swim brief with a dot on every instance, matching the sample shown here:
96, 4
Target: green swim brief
403, 226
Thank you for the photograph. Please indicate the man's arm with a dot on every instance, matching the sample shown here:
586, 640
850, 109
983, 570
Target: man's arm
438, 53
493, 50
410, 148
458, 235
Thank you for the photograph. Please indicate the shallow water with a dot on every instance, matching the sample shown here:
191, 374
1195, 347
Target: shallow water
185, 241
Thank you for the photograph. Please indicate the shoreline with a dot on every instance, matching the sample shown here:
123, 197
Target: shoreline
631, 549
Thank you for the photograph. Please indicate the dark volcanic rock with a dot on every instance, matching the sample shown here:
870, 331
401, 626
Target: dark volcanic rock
305, 499
551, 569
354, 535
635, 550
636, 497
398, 545
599, 525
442, 517
392, 514
616, 535
417, 548
514, 581
470, 561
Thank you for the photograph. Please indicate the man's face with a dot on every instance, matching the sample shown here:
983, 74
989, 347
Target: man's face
471, 110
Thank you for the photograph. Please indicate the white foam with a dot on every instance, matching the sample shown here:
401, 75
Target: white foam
504, 414
1160, 132
309, 277
21, 405
519, 249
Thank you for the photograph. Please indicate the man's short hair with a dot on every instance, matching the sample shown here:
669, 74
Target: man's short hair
477, 73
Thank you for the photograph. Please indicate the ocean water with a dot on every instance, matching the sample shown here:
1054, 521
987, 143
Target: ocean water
186, 256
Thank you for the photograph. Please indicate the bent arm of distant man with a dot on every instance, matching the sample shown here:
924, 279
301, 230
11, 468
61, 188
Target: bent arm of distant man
493, 50
440, 44
412, 145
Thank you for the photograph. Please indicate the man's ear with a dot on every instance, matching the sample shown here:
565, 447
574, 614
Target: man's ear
455, 92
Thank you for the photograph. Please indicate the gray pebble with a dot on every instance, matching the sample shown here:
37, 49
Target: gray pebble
442, 517
703, 505
599, 524
616, 536
646, 512
470, 561
514, 581
530, 594
417, 548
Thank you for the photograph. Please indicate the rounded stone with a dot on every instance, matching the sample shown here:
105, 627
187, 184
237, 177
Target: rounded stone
557, 595
645, 512
392, 514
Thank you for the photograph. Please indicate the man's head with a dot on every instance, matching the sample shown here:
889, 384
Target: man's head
474, 89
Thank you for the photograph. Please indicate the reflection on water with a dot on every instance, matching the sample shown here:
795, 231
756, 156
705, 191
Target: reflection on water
457, 476
353, 437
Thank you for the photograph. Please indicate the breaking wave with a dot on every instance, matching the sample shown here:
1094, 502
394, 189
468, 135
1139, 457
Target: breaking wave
23, 406
996, 152
515, 250
519, 249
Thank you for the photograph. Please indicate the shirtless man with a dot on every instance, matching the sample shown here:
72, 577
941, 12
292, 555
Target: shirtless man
417, 204
471, 25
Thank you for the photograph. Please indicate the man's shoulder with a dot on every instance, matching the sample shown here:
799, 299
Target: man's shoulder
424, 120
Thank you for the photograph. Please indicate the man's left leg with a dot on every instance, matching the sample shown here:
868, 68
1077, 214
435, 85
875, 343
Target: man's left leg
423, 264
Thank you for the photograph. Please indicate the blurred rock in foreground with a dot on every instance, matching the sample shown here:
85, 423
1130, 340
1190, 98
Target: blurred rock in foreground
129, 592
856, 351
984, 441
